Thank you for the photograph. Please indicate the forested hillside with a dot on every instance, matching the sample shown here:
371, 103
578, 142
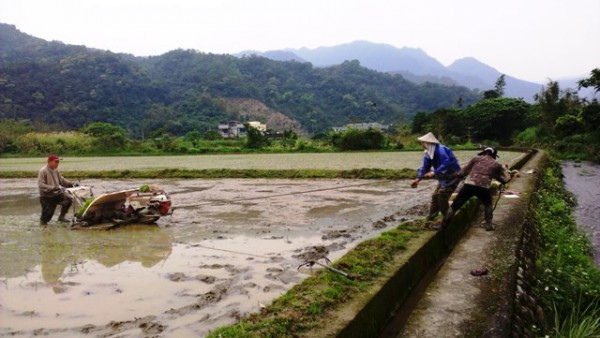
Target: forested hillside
180, 91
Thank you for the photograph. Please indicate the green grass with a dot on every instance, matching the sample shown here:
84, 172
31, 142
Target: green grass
579, 323
568, 280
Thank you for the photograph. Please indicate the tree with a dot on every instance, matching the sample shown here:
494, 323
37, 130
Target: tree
591, 116
194, 137
592, 81
447, 122
353, 139
10, 129
550, 110
500, 84
419, 122
289, 137
255, 139
498, 90
496, 119
108, 136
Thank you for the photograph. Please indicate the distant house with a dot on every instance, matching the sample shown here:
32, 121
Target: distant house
235, 129
364, 126
258, 126
232, 129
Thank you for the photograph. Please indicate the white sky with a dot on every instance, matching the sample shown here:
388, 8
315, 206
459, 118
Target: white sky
533, 40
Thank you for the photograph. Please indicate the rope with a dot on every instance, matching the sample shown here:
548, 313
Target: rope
231, 251
276, 195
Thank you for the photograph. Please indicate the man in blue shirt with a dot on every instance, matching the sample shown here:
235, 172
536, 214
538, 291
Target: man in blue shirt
445, 166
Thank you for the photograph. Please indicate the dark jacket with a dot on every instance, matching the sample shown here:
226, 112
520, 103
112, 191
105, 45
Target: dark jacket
482, 169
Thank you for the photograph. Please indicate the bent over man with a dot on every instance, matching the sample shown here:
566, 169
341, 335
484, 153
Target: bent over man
481, 170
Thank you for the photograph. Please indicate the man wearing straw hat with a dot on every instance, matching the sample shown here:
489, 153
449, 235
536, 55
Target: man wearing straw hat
445, 166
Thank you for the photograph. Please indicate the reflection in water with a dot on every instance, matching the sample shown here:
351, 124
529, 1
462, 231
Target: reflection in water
582, 180
62, 248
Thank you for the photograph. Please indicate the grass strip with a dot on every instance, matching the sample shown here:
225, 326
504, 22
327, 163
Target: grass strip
363, 173
568, 281
306, 305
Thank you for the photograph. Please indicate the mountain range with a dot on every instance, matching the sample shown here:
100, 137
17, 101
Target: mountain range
66, 86
415, 65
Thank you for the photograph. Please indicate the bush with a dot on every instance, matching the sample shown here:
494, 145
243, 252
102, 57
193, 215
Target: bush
60, 143
353, 139
527, 137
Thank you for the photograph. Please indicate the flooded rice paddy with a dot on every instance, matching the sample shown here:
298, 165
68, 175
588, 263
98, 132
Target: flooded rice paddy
231, 247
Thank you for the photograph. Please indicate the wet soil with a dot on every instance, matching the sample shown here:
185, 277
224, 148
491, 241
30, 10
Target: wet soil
231, 247
583, 181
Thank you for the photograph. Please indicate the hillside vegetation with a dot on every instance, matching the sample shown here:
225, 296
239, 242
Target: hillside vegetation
106, 103
183, 90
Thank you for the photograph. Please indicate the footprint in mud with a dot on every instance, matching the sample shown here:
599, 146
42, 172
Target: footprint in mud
387, 221
284, 276
206, 279
62, 287
177, 277
272, 287
313, 253
336, 234
418, 210
228, 267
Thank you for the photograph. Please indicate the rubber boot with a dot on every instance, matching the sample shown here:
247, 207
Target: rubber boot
488, 216
447, 219
63, 212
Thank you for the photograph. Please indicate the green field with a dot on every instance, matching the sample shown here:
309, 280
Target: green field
291, 161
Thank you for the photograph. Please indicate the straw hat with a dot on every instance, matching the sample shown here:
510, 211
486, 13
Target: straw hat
429, 138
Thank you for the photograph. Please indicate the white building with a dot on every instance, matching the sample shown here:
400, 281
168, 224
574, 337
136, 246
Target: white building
235, 129
364, 126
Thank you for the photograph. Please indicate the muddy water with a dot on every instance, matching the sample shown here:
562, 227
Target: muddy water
231, 247
583, 180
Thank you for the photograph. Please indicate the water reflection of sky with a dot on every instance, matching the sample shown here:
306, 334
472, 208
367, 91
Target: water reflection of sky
71, 285
583, 180
109, 279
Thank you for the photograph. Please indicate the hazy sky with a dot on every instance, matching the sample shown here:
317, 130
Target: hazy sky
533, 40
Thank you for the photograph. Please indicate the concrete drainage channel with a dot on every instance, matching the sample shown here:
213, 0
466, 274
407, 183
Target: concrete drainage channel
429, 291
455, 303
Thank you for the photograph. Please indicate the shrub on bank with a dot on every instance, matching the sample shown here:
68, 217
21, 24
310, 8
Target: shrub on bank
60, 143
